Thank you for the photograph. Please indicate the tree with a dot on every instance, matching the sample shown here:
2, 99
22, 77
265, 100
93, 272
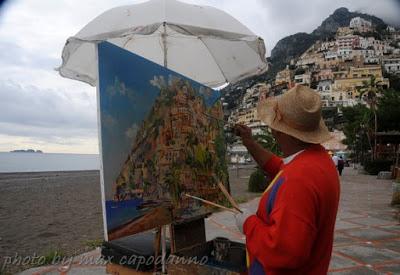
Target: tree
200, 156
172, 179
370, 92
258, 179
389, 111
394, 80
357, 128
220, 166
333, 119
359, 123
266, 140
191, 140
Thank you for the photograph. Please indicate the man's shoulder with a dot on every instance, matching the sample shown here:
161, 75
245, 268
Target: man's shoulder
308, 167
309, 159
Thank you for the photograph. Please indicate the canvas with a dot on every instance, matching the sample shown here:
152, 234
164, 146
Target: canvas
161, 137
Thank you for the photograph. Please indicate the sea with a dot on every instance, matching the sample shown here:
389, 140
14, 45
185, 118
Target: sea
42, 162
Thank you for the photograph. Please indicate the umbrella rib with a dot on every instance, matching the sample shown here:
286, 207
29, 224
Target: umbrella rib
222, 72
213, 57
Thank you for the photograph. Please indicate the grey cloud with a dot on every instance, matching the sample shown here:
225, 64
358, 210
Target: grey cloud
286, 17
26, 110
13, 54
53, 135
275, 19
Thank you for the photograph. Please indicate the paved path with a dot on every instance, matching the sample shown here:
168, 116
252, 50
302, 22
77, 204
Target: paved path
367, 234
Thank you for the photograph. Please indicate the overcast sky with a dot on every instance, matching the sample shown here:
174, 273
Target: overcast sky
41, 110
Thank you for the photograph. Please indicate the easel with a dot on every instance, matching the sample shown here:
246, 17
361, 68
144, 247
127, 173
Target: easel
116, 269
179, 238
183, 235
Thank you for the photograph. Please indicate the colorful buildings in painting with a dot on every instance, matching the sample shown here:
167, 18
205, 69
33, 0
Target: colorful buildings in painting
178, 149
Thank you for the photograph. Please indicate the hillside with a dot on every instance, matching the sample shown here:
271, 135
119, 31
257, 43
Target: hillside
291, 47
294, 45
340, 18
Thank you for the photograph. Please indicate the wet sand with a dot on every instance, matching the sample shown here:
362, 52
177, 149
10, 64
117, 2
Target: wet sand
49, 211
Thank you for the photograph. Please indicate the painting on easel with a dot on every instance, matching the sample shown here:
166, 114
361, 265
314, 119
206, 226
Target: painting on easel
161, 137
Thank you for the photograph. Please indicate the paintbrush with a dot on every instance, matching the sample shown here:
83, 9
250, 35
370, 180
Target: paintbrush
229, 197
212, 203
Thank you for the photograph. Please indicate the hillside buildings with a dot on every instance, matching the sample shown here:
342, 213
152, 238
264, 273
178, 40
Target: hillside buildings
337, 68
246, 111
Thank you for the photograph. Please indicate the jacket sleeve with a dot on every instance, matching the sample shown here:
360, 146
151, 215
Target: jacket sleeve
273, 165
286, 241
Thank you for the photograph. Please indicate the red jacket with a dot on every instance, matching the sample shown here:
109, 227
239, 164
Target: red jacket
297, 236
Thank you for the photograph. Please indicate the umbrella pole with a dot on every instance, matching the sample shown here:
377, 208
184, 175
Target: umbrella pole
164, 227
164, 41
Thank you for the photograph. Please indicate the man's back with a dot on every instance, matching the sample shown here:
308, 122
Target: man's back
324, 181
296, 237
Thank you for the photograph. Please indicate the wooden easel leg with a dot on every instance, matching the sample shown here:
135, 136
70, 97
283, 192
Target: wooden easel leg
163, 249
157, 245
172, 238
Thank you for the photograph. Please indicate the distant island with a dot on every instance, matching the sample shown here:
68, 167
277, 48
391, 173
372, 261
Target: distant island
26, 151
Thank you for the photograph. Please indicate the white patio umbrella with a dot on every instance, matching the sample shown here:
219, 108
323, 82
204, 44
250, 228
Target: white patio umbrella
202, 43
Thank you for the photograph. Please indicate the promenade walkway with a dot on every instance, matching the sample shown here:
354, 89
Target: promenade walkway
367, 234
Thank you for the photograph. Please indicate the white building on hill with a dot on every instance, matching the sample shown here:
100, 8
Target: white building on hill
327, 45
238, 154
390, 29
303, 79
348, 41
325, 89
330, 55
391, 65
360, 24
366, 42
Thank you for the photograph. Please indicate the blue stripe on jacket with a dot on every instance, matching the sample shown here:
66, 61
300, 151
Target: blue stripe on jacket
256, 267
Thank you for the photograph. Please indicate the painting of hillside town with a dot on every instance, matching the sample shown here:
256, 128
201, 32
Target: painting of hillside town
162, 137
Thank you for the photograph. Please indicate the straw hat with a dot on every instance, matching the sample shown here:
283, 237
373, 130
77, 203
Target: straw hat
297, 113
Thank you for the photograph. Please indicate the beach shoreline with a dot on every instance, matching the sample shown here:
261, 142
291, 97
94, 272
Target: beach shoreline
43, 212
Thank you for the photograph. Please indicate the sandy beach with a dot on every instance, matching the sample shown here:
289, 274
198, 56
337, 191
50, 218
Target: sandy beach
49, 211
44, 212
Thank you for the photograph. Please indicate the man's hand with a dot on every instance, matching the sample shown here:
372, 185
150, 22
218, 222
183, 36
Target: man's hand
242, 217
244, 132
260, 154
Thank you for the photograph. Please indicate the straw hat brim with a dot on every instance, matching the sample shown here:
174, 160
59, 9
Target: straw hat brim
267, 113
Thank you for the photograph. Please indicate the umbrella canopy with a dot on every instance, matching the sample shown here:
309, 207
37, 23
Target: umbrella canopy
202, 43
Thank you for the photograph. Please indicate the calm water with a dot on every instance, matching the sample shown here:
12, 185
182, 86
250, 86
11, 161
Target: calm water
35, 162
